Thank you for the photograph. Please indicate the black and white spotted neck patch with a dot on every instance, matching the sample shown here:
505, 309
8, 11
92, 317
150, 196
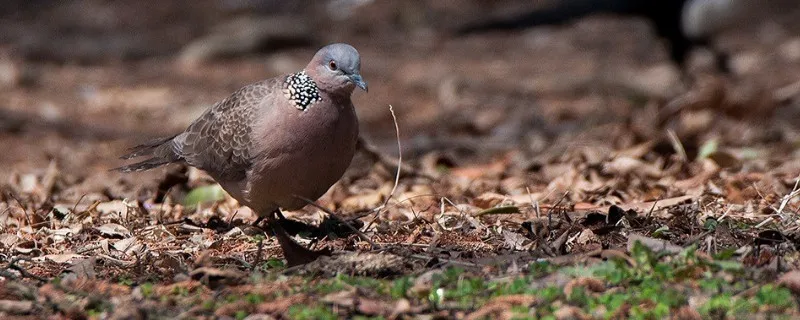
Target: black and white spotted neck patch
301, 90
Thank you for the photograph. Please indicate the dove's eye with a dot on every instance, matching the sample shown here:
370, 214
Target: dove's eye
332, 65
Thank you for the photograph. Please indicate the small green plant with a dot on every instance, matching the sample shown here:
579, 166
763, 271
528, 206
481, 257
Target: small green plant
257, 238
180, 291
240, 315
400, 287
777, 297
125, 281
147, 289
541, 268
254, 298
274, 263
304, 312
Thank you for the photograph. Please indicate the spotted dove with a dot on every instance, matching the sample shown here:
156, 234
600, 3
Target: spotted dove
276, 143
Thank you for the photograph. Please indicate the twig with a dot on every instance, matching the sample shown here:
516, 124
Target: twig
25, 274
258, 254
25, 211
463, 263
555, 206
534, 204
652, 208
75, 207
677, 145
88, 248
762, 223
118, 262
397, 175
795, 191
399, 158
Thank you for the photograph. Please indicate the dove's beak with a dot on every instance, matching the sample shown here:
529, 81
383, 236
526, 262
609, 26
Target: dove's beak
359, 81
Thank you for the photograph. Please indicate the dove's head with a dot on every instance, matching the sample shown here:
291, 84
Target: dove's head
336, 68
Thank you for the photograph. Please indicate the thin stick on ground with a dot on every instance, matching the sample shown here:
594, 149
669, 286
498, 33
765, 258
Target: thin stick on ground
399, 159
649, 213
795, 191
397, 174
677, 145
24, 210
12, 265
259, 251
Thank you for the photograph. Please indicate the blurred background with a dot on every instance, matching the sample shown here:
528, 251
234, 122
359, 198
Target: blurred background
82, 80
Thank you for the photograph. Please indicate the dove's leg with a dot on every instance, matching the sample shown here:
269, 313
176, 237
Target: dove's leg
260, 219
294, 252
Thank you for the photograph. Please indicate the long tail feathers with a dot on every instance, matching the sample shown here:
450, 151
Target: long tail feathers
146, 148
142, 166
160, 152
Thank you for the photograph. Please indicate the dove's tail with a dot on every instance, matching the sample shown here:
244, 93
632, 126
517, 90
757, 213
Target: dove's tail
161, 152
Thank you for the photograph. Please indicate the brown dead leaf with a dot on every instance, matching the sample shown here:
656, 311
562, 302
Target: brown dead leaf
623, 166
725, 159
586, 241
100, 287
230, 309
616, 254
346, 298
423, 283
656, 245
60, 258
376, 307
8, 240
127, 245
686, 313
652, 205
590, 284
709, 170
515, 241
488, 200
569, 312
113, 230
280, 305
362, 202
214, 278
83, 268
494, 169
401, 306
500, 307
358, 263
16, 307
110, 207
791, 281
636, 151
187, 286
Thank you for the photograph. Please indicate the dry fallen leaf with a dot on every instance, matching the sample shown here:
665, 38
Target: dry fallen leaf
656, 245
60, 258
113, 230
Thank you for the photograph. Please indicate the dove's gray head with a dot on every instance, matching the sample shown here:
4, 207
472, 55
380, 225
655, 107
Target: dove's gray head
337, 69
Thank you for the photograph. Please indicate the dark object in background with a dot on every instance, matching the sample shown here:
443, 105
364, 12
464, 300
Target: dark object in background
684, 24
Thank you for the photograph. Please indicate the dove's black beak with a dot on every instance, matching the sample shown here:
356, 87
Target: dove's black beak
359, 81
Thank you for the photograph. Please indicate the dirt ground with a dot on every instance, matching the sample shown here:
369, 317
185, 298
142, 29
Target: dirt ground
557, 144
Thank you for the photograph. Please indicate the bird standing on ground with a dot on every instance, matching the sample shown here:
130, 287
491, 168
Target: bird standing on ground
685, 24
274, 144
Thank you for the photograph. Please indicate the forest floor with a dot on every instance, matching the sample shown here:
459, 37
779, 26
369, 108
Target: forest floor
560, 172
